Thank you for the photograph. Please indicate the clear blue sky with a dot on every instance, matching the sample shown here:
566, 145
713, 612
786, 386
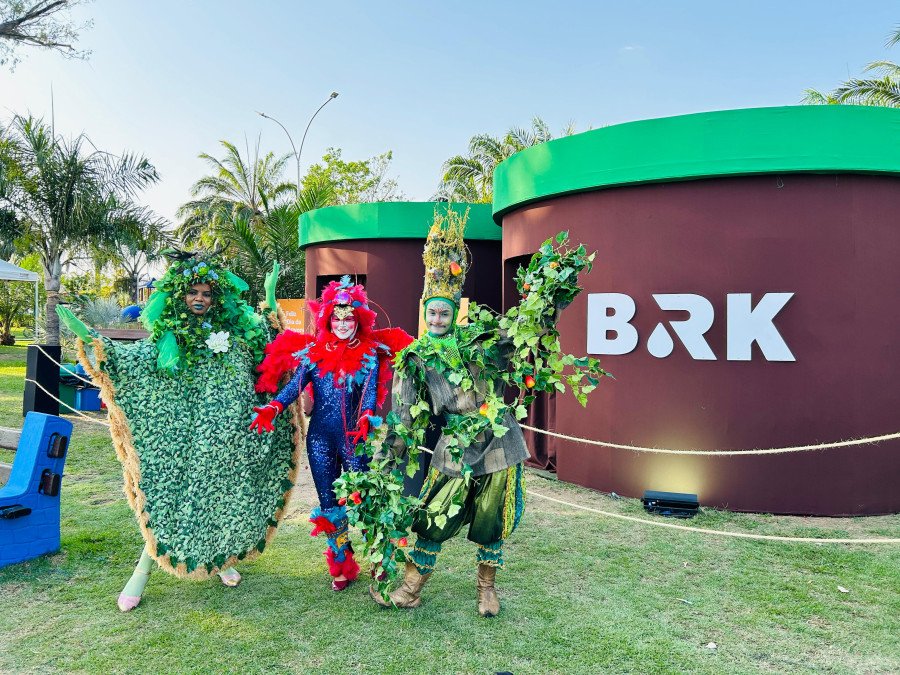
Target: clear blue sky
169, 79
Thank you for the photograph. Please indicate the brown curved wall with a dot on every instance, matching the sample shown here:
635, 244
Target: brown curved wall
832, 240
395, 273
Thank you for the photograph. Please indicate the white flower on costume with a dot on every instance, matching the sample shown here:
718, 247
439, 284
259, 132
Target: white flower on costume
218, 342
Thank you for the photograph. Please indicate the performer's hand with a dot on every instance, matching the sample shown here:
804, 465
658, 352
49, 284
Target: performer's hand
367, 421
265, 415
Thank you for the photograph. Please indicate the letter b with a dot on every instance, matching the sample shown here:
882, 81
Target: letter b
602, 322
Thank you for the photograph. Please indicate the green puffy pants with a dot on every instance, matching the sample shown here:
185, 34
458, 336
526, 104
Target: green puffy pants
492, 507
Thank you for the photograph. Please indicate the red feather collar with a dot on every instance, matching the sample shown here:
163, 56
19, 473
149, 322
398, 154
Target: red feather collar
341, 358
338, 357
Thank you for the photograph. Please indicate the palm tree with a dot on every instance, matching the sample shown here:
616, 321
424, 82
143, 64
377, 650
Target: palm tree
470, 177
881, 90
143, 245
66, 198
252, 249
237, 187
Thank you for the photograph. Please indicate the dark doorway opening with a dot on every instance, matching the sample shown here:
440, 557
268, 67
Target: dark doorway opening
324, 279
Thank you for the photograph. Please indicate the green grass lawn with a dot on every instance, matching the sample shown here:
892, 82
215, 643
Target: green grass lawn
581, 594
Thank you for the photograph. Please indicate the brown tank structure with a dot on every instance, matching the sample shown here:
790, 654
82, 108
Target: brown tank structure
744, 296
380, 245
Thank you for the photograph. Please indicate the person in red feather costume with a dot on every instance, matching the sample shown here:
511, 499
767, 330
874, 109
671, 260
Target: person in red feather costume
347, 364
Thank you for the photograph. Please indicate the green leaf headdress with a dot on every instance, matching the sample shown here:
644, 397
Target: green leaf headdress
446, 257
180, 335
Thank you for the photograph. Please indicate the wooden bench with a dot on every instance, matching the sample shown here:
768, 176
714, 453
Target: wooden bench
9, 440
131, 334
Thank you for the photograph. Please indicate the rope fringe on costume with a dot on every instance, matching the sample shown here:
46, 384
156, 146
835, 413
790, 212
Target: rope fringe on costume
719, 453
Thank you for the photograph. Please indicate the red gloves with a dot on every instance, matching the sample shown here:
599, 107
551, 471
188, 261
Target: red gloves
362, 428
265, 415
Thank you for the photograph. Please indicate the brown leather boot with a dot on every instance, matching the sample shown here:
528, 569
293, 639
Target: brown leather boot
407, 595
488, 602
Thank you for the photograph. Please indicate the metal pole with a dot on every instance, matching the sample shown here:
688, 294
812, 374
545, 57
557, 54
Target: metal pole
37, 301
333, 96
293, 147
297, 153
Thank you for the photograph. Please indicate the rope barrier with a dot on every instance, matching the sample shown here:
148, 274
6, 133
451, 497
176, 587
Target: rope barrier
719, 453
75, 375
702, 530
77, 412
666, 451
620, 516
721, 533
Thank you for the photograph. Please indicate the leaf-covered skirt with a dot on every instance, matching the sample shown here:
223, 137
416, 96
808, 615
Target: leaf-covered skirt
207, 491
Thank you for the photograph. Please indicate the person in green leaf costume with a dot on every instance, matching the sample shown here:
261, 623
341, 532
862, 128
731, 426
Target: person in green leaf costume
207, 492
459, 374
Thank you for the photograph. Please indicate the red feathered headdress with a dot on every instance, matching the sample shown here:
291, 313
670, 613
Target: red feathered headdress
342, 294
280, 354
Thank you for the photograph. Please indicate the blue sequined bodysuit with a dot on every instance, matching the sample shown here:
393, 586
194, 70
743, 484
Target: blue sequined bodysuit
336, 409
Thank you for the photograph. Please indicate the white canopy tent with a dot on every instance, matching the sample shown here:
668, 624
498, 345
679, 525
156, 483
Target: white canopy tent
10, 272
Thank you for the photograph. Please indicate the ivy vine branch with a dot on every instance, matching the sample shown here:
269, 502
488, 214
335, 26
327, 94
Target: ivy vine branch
520, 348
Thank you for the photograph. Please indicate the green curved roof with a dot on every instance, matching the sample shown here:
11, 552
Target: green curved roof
388, 220
795, 139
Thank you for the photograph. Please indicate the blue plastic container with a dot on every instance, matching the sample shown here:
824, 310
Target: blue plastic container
87, 399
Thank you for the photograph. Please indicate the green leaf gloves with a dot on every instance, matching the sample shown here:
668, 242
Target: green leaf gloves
271, 281
73, 323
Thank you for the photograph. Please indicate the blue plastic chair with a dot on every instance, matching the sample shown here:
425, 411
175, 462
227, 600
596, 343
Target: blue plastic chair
29, 502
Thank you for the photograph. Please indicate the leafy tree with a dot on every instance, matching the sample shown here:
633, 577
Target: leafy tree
881, 90
38, 23
17, 301
357, 181
67, 200
79, 287
133, 254
248, 211
237, 188
470, 177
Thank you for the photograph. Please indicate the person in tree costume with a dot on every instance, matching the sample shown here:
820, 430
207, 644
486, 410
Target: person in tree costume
207, 493
347, 366
459, 374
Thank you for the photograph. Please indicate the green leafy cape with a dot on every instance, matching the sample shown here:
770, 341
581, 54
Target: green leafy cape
207, 492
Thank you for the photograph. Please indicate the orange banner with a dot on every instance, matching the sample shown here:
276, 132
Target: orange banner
295, 314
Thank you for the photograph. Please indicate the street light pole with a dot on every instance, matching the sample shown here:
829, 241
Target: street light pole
330, 98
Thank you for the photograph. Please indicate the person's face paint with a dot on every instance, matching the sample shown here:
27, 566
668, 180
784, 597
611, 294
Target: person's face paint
199, 299
345, 328
439, 317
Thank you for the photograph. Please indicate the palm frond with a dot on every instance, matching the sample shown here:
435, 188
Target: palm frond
883, 92
893, 38
816, 97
